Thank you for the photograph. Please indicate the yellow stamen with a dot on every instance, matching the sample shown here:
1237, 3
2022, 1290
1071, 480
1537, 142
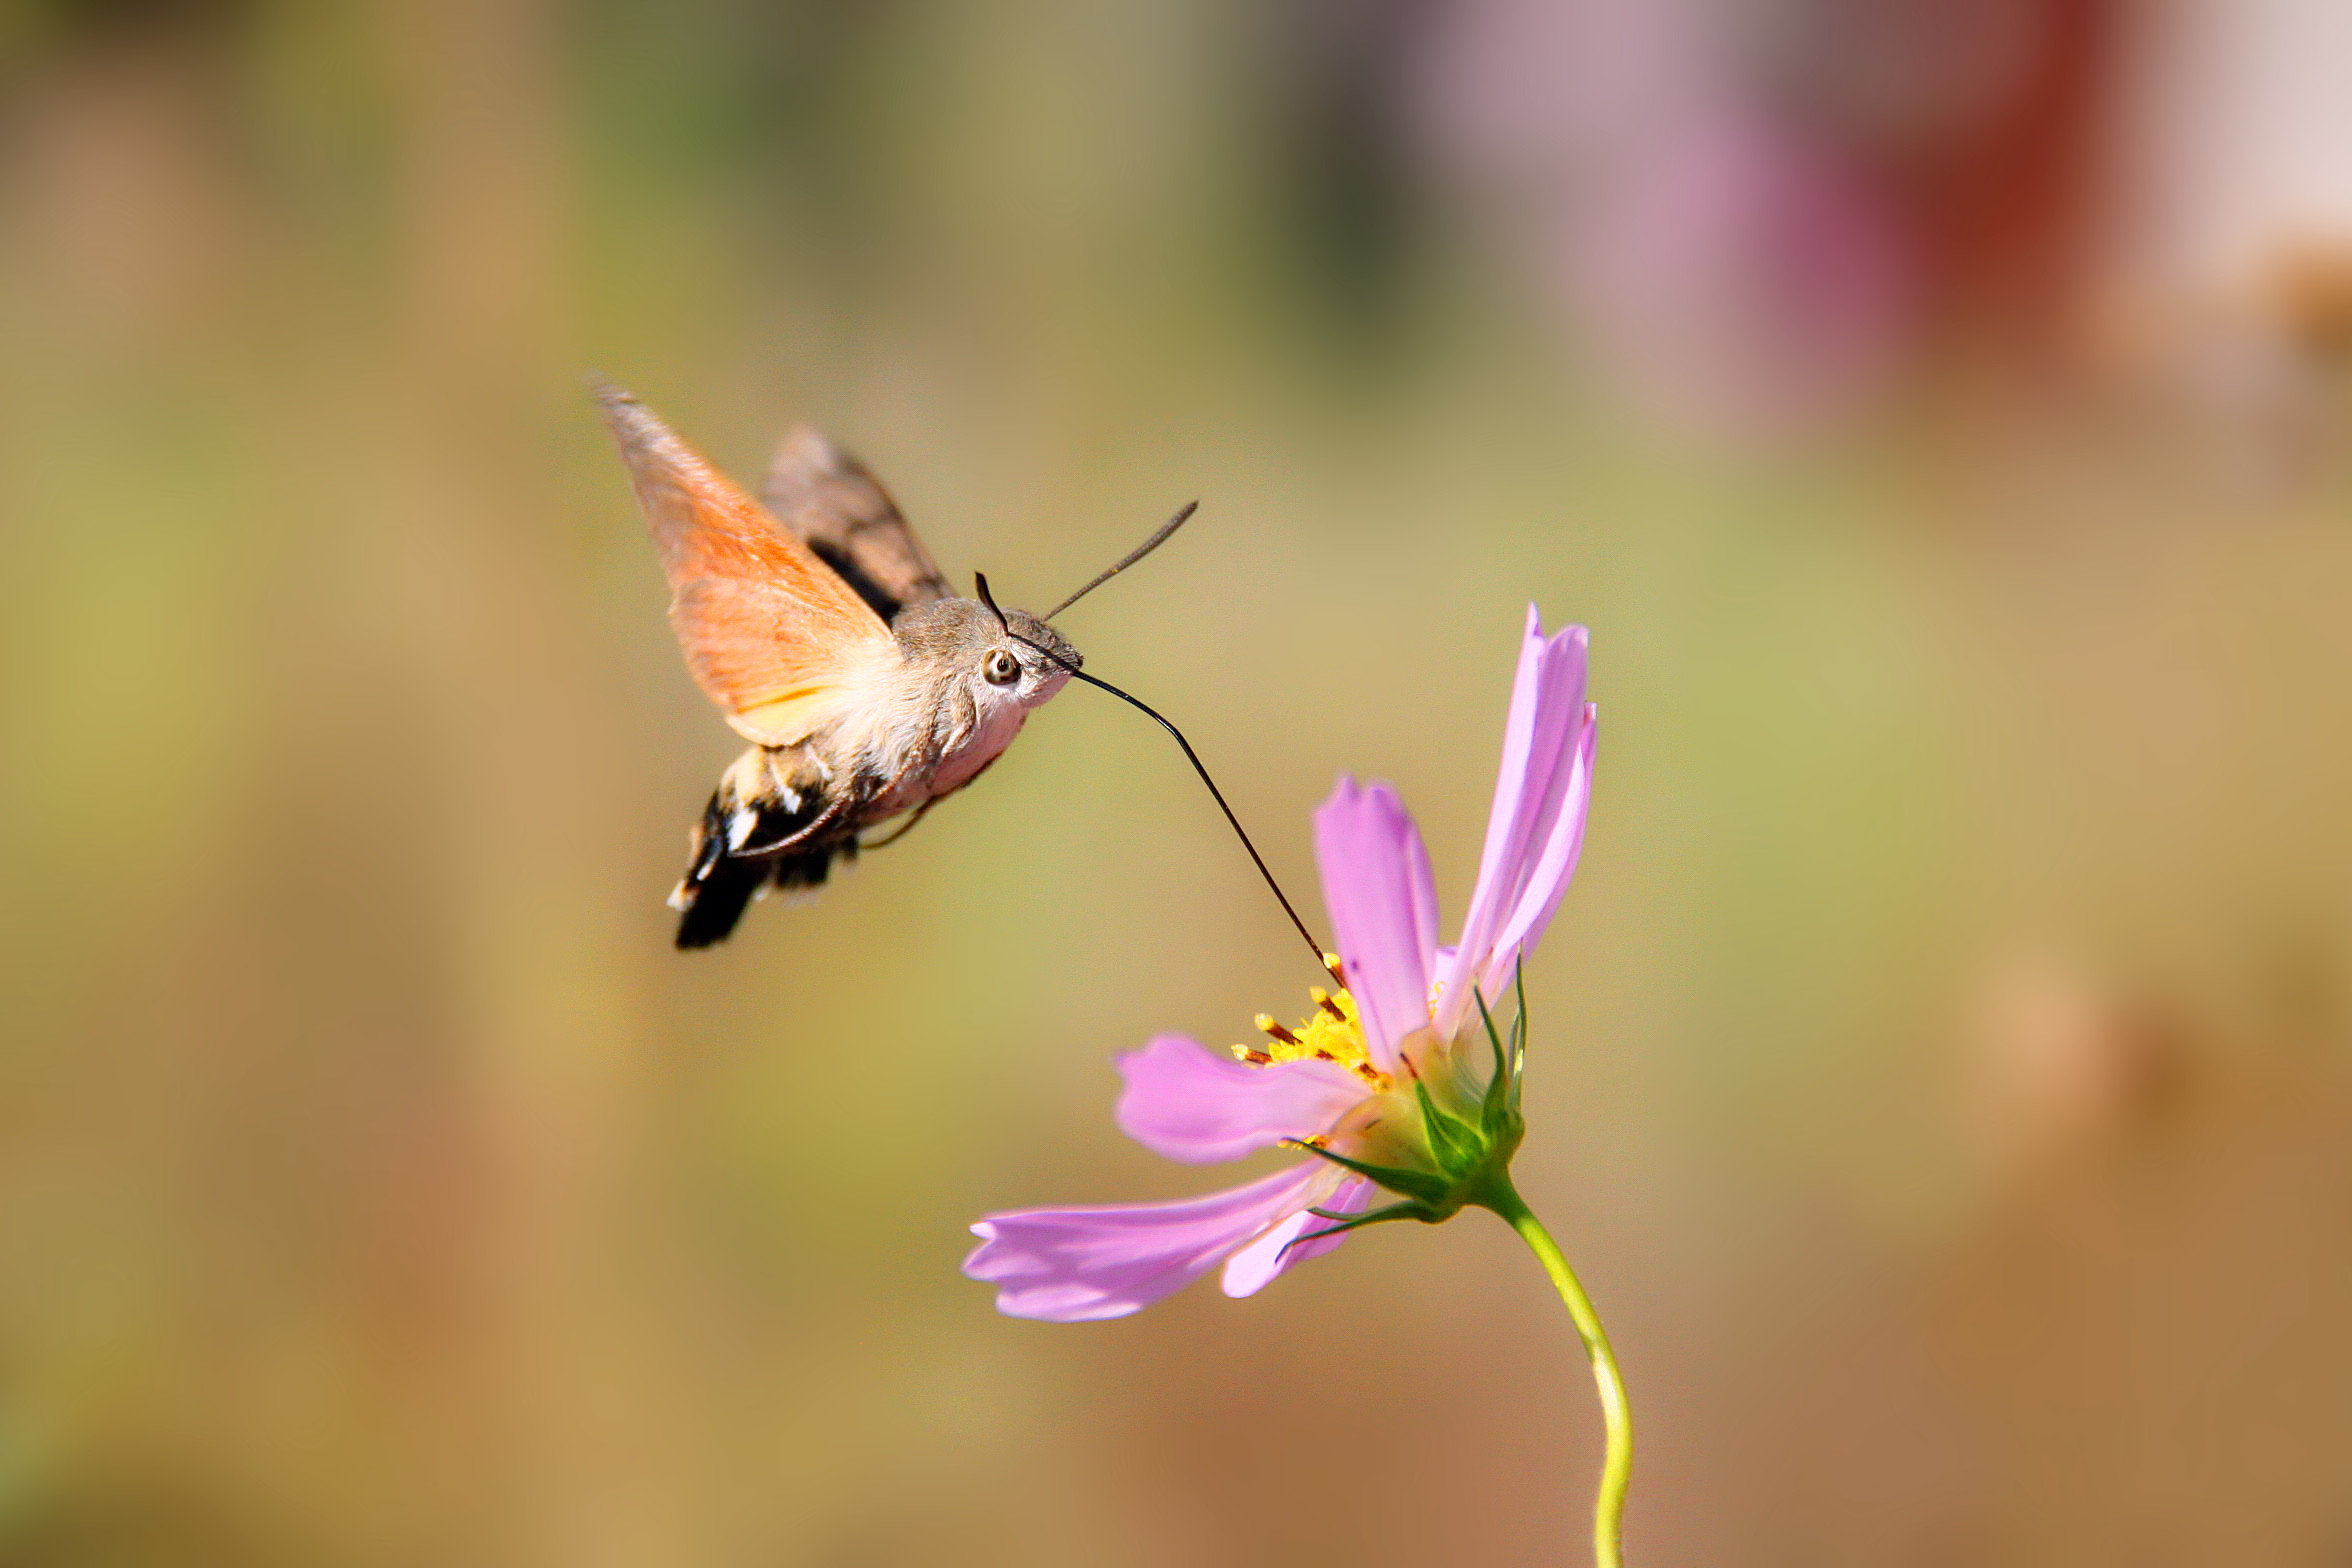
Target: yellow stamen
1333, 1032
1267, 1026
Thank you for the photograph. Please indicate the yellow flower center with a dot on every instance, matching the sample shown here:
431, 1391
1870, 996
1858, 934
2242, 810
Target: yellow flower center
1333, 1032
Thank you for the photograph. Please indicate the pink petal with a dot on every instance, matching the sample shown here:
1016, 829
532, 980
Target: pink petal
1534, 787
1383, 906
1264, 1260
1082, 1264
1185, 1102
1554, 866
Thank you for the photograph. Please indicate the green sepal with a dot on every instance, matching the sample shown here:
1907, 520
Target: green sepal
1453, 1141
1424, 1186
1348, 1222
1500, 1099
1519, 1030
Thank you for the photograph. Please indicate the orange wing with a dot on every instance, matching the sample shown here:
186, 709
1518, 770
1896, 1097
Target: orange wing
771, 633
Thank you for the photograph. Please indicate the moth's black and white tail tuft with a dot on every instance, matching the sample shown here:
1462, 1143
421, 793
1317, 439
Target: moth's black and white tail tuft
719, 886
709, 905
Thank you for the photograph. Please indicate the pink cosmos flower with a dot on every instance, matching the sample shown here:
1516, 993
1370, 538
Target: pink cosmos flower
1398, 1081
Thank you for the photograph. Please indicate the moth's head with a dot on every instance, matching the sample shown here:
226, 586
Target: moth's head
1044, 656
1007, 657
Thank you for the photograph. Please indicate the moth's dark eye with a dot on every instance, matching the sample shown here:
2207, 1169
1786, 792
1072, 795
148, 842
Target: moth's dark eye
1001, 667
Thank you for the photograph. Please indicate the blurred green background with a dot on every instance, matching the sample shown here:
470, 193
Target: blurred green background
1940, 1072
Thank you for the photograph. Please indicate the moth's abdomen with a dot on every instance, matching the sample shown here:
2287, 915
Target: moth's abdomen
751, 834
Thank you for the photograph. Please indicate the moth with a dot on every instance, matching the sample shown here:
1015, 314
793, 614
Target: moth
817, 622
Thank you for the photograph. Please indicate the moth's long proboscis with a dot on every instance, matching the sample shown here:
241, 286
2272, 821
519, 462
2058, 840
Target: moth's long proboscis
1215, 793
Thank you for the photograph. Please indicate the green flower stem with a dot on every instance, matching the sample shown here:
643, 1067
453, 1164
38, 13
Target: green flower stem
1616, 1414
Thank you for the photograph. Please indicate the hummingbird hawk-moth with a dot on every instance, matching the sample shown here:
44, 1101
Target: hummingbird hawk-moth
815, 619
867, 687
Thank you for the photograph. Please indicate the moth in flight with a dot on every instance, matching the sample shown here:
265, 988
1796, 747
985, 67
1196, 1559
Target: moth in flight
816, 621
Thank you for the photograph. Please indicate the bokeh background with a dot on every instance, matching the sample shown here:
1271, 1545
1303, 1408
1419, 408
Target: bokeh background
1936, 408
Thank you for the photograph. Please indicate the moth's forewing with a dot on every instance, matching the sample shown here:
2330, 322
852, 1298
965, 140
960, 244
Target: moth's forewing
771, 633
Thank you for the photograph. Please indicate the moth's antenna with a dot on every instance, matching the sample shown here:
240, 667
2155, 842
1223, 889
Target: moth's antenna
1129, 559
1198, 767
980, 581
